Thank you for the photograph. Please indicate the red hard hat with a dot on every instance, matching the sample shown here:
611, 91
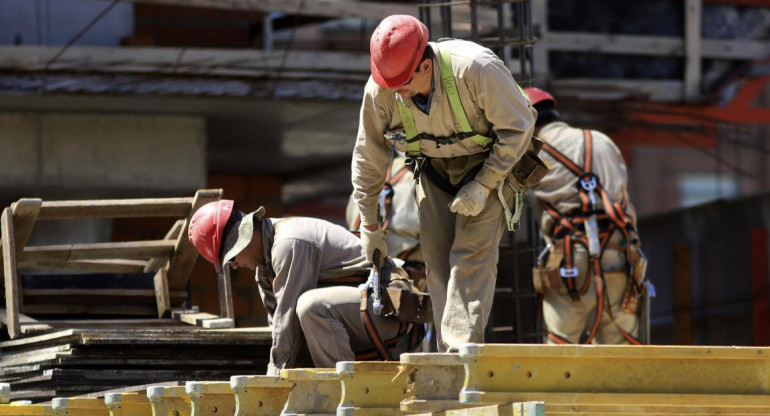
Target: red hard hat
207, 226
396, 47
536, 95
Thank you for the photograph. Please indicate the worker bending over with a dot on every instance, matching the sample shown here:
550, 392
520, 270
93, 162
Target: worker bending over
455, 110
292, 257
591, 274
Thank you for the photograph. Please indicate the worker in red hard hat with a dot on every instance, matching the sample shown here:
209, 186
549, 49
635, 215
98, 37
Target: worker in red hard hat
591, 276
455, 110
307, 270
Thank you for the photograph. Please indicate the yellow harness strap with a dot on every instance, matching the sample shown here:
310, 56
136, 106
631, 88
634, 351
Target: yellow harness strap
450, 85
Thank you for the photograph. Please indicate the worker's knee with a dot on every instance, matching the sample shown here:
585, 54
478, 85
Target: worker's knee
310, 307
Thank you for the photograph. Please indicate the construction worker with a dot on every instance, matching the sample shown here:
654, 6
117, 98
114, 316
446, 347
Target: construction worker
589, 225
292, 257
455, 110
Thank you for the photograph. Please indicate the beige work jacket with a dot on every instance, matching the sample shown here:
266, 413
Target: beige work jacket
492, 101
300, 253
559, 188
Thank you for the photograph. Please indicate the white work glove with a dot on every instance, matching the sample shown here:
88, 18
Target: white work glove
374, 240
470, 200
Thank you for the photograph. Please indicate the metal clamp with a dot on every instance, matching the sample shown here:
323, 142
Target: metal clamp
376, 302
568, 272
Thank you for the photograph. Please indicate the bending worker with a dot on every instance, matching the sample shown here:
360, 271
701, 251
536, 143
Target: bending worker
455, 110
593, 276
291, 258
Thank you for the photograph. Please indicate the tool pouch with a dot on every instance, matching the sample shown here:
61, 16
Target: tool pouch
407, 303
530, 169
546, 278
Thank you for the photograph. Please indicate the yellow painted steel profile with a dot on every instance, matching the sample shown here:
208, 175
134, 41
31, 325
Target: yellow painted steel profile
316, 392
259, 395
371, 388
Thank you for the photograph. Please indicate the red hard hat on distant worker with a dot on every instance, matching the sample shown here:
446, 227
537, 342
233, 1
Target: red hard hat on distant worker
207, 227
536, 95
396, 47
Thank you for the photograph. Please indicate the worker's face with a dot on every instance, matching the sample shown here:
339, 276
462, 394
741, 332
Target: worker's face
250, 257
420, 82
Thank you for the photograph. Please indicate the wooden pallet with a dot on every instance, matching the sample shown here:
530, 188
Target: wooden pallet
165, 265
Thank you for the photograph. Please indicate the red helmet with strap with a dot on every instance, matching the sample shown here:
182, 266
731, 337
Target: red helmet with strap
207, 227
536, 95
396, 47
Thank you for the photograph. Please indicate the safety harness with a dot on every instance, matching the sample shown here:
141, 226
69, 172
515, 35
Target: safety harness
591, 226
413, 137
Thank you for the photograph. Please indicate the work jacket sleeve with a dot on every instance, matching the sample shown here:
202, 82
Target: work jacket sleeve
296, 264
372, 151
509, 113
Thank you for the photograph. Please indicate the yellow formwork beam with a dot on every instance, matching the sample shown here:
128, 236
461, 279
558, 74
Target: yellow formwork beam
79, 406
371, 388
494, 371
169, 401
509, 409
128, 404
634, 404
434, 382
315, 392
26, 410
259, 395
211, 398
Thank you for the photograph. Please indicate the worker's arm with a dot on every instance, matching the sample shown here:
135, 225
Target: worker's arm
512, 119
296, 264
371, 152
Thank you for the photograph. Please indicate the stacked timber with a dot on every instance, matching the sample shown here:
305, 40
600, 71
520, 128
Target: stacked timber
75, 362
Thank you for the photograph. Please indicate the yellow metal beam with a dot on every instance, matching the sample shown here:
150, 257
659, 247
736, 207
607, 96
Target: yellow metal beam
371, 388
509, 409
128, 404
629, 403
169, 401
259, 395
316, 392
211, 398
26, 410
495, 371
435, 381
79, 407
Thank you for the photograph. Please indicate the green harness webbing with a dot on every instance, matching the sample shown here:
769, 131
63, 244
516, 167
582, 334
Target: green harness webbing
450, 85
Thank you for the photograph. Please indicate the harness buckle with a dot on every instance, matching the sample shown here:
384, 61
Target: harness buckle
588, 183
568, 272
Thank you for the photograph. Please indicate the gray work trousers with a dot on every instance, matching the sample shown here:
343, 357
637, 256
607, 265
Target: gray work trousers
331, 321
461, 256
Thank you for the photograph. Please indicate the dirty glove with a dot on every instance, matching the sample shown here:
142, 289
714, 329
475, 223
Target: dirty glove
374, 240
470, 200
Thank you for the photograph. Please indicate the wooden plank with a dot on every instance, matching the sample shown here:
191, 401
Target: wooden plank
219, 323
100, 251
117, 309
642, 45
26, 322
226, 308
172, 235
112, 323
25, 212
693, 17
614, 89
115, 208
336, 9
207, 320
162, 297
183, 259
13, 301
147, 293
100, 266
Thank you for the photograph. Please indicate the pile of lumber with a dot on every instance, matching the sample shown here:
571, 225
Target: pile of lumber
80, 361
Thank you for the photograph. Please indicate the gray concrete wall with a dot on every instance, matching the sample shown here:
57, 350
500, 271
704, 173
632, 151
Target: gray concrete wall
82, 155
55, 22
